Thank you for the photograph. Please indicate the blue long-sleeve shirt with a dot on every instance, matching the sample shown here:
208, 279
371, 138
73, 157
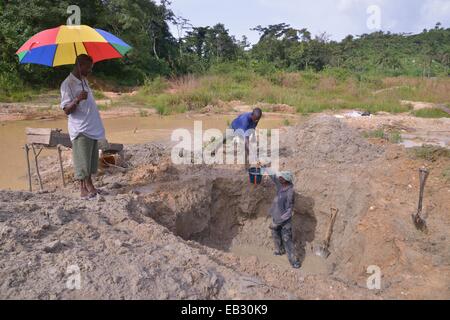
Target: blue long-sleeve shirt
244, 123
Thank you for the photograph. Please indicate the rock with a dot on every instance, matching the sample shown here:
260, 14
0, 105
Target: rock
116, 185
59, 216
53, 246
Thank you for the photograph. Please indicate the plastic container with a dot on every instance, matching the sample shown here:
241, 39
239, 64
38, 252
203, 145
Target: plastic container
255, 175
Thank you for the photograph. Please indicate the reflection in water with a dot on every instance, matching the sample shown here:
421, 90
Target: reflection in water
128, 130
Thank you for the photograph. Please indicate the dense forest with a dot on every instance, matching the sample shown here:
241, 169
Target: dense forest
144, 24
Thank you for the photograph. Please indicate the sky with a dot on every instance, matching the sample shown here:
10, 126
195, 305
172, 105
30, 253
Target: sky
338, 18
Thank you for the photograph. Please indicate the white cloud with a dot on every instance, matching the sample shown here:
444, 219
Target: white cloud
345, 5
436, 10
337, 17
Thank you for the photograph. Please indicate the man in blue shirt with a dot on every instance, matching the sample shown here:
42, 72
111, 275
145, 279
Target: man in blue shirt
247, 121
244, 125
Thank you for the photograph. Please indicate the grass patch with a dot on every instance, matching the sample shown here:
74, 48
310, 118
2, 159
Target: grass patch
19, 95
307, 92
431, 113
393, 137
98, 95
155, 86
143, 113
430, 153
446, 174
378, 134
103, 107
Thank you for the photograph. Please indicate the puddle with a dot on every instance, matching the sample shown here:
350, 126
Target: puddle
127, 130
262, 254
411, 144
312, 265
418, 139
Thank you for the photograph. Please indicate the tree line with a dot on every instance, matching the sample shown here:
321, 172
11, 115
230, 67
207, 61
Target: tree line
144, 24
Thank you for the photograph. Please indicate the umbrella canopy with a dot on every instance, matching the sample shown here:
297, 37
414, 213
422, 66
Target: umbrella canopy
60, 46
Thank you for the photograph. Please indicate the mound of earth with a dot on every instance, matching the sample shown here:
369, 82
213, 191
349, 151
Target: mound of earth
327, 140
119, 254
376, 191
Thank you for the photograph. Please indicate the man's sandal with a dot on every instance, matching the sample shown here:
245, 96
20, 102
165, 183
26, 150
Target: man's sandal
89, 197
101, 192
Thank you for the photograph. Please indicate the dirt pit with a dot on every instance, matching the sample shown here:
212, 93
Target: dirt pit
223, 211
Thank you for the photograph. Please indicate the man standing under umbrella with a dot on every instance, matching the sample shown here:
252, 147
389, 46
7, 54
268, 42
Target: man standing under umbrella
85, 125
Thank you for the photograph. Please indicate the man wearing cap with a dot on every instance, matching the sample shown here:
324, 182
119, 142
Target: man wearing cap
281, 212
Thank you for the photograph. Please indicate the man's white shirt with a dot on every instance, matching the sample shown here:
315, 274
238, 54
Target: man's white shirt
86, 117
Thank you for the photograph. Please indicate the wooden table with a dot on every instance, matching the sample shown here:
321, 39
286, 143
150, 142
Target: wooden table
39, 139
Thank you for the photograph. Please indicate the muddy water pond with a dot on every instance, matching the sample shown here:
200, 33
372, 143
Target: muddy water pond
125, 130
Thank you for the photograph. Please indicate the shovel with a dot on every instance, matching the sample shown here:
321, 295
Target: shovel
420, 222
323, 251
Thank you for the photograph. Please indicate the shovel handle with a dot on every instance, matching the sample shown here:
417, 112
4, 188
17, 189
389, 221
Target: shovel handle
423, 175
334, 213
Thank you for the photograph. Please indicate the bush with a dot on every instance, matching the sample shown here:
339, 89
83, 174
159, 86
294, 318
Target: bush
431, 113
393, 137
263, 68
446, 174
12, 89
98, 95
154, 86
430, 153
340, 74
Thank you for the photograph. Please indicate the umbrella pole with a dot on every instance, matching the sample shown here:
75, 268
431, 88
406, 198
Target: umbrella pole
78, 65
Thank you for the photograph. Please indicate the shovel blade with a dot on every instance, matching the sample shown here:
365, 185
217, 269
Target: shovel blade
420, 223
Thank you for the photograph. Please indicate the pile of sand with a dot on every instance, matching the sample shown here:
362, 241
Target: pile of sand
326, 139
145, 154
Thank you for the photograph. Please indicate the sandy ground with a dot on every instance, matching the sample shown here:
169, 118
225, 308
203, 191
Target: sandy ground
47, 108
414, 131
201, 232
28, 111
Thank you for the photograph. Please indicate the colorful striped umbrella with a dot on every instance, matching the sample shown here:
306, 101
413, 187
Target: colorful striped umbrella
60, 46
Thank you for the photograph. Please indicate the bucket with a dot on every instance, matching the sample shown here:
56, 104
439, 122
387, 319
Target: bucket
107, 159
255, 175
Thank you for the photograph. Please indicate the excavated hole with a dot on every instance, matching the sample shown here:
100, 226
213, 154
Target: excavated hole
228, 214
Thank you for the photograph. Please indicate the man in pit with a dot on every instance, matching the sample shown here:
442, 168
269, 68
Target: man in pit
281, 212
